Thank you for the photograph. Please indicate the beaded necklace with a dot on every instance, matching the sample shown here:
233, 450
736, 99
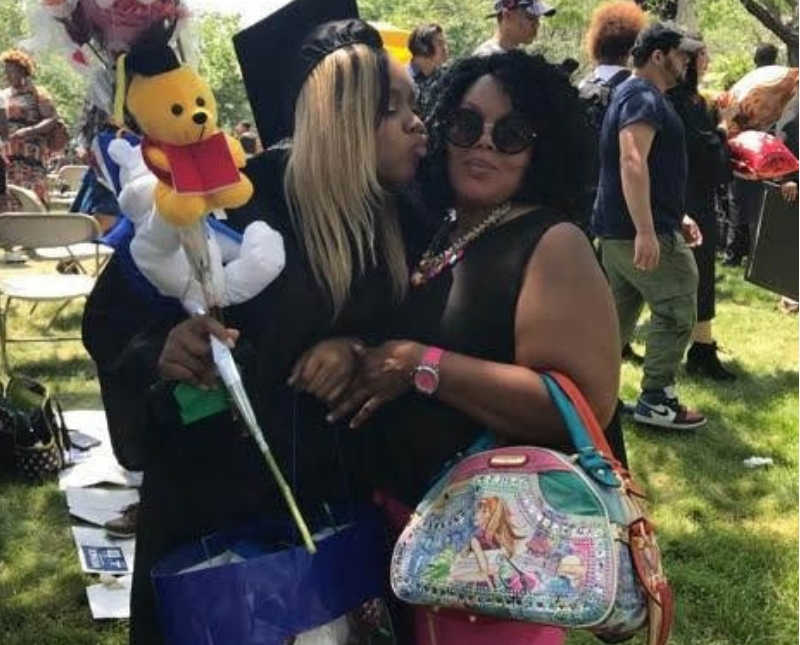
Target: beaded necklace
433, 263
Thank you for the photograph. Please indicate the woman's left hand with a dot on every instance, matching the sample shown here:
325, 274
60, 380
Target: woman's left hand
384, 374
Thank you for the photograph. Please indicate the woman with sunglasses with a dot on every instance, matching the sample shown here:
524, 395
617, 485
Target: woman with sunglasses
507, 287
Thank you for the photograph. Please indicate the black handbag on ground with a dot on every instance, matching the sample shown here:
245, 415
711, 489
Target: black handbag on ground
41, 444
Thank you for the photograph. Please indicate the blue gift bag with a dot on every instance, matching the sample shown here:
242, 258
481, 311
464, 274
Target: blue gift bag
277, 589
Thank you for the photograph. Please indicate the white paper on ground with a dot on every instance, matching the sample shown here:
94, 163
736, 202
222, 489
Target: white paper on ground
111, 598
98, 516
96, 465
99, 469
109, 499
100, 554
99, 505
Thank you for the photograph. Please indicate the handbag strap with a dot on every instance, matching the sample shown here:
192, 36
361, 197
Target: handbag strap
594, 452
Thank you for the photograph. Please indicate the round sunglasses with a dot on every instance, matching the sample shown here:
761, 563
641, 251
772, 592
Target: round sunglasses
511, 134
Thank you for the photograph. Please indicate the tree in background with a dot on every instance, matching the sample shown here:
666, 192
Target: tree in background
53, 72
730, 32
217, 62
780, 17
218, 65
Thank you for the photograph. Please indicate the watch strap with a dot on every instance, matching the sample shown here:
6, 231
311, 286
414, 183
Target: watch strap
432, 356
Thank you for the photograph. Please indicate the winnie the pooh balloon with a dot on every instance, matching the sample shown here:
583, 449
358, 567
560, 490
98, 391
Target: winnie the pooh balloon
197, 164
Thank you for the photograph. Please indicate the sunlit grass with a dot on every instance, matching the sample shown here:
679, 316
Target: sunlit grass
729, 534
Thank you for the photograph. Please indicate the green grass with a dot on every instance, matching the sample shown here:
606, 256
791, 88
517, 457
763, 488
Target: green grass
729, 535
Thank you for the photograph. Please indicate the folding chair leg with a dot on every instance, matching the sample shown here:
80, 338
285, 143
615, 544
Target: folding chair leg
55, 315
4, 335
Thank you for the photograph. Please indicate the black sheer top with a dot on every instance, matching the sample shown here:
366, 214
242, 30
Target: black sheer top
469, 309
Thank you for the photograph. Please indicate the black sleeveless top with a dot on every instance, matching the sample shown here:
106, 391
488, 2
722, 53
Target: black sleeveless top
469, 309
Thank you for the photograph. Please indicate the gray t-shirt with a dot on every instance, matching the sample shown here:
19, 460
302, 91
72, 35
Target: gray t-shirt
488, 48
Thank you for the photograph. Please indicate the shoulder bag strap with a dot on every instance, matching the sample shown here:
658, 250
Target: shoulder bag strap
592, 439
619, 77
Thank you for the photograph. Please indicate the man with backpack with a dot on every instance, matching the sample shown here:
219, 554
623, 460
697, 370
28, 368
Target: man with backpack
612, 31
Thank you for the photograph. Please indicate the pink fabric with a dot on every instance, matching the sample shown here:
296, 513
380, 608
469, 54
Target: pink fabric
451, 627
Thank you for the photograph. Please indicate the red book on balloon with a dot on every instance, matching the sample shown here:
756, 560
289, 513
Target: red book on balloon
202, 167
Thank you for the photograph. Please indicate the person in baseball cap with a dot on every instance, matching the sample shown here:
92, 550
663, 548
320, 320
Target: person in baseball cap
517, 24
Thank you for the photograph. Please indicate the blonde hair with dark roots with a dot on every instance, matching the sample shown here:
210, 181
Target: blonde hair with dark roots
20, 58
612, 30
337, 205
499, 524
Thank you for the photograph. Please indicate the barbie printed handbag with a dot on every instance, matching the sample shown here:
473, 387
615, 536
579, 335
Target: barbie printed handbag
531, 534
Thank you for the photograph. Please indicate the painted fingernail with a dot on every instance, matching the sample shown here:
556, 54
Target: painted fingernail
330, 418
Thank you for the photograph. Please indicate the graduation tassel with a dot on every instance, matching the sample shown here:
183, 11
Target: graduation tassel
118, 117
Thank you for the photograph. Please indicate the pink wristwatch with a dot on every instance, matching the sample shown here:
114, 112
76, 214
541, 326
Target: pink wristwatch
426, 374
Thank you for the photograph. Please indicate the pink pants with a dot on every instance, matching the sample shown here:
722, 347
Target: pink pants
452, 627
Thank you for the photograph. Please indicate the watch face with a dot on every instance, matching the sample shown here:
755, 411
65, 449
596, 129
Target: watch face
426, 379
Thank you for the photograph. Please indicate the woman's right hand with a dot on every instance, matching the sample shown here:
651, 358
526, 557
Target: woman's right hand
187, 353
327, 369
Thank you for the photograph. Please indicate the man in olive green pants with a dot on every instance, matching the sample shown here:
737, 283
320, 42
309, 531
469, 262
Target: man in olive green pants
670, 292
638, 216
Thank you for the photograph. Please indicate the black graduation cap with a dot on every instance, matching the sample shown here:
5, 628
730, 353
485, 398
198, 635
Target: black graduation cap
151, 54
273, 67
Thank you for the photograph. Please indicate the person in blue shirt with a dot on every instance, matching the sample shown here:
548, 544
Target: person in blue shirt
638, 215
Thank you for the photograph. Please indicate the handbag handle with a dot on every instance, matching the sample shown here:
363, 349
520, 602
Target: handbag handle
594, 453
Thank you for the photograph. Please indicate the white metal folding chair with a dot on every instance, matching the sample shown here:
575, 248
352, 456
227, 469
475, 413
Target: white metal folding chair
70, 177
37, 230
75, 253
27, 198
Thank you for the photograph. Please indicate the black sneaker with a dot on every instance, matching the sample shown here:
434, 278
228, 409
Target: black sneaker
665, 411
123, 526
702, 360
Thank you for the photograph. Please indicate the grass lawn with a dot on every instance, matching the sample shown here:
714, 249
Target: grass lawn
729, 534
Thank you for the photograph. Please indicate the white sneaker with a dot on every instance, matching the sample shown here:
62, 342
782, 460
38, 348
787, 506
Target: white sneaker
665, 411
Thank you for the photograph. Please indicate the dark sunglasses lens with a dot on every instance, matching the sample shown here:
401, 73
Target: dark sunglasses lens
512, 134
465, 128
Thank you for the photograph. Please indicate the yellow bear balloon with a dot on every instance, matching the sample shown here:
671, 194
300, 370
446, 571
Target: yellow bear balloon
196, 163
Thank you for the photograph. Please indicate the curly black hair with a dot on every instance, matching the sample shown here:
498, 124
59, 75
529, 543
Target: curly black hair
562, 151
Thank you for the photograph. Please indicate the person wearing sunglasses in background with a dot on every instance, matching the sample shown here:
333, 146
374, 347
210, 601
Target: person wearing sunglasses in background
507, 286
517, 25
